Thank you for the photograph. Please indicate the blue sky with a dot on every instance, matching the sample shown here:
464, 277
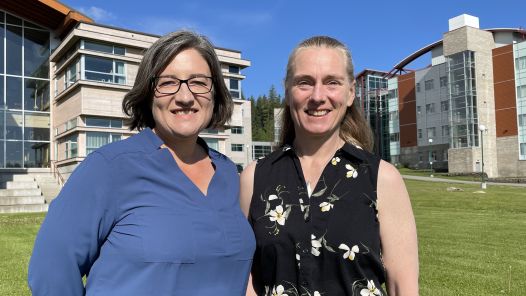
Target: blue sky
379, 33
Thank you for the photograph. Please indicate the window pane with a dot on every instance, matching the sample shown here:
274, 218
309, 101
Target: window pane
98, 64
116, 123
2, 143
36, 95
36, 154
119, 50
2, 106
13, 154
36, 127
212, 143
120, 80
95, 140
119, 67
14, 50
1, 51
99, 77
11, 19
234, 84
36, 53
14, 125
98, 47
233, 69
14, 92
97, 121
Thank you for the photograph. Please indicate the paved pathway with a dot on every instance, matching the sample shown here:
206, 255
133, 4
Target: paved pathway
421, 178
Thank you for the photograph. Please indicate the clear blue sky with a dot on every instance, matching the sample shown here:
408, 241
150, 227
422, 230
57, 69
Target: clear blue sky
379, 33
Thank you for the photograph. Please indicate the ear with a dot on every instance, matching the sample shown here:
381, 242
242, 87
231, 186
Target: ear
352, 93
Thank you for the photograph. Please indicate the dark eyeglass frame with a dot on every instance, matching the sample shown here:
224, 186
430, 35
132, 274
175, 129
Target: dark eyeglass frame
181, 81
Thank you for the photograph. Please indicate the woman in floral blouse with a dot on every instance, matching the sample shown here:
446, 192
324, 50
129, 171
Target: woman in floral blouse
330, 218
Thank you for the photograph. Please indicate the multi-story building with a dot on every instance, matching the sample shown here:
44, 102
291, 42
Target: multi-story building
372, 96
467, 111
62, 81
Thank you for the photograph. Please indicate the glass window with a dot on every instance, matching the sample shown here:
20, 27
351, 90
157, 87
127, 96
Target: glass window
71, 74
71, 146
420, 133
2, 165
234, 84
11, 19
443, 81
431, 131
445, 130
430, 108
260, 151
36, 154
520, 63
429, 84
36, 127
236, 130
235, 94
14, 50
212, 143
36, 95
521, 91
2, 53
237, 147
419, 110
14, 154
418, 87
95, 140
104, 122
522, 119
13, 125
395, 137
523, 148
444, 106
104, 47
36, 53
104, 70
14, 92
233, 69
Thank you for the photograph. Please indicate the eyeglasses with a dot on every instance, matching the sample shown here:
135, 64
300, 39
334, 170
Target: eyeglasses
169, 85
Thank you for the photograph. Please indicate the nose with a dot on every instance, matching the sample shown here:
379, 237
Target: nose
184, 96
318, 93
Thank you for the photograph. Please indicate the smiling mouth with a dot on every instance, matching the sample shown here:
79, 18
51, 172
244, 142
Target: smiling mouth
183, 111
317, 113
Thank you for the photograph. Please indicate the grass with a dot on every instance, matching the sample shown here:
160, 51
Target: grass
469, 243
426, 173
17, 234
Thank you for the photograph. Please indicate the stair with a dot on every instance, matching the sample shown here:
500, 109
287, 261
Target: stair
29, 192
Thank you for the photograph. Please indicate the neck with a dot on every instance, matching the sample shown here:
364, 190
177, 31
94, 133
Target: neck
184, 149
317, 147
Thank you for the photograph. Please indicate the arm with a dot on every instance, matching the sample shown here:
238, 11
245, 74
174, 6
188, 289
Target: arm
74, 228
397, 232
245, 197
247, 187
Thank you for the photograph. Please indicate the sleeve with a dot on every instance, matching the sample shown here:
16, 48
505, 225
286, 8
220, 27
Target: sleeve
77, 223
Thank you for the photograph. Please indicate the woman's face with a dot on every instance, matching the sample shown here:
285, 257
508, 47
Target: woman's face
184, 114
320, 91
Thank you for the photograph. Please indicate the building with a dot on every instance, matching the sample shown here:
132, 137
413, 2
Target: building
62, 81
372, 96
466, 112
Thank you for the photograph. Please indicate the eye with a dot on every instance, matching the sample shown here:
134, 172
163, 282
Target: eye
164, 82
334, 82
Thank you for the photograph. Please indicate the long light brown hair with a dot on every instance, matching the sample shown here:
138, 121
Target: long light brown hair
353, 128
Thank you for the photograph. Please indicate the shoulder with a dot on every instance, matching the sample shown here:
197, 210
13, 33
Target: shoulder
388, 173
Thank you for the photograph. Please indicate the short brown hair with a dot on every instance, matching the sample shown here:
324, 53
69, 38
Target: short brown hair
354, 128
138, 101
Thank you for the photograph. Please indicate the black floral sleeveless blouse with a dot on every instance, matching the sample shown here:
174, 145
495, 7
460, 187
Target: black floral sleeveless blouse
318, 242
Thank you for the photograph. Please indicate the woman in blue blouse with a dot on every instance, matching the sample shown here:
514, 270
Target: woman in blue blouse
157, 213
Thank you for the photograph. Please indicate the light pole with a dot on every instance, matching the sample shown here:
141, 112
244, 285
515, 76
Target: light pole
430, 158
482, 129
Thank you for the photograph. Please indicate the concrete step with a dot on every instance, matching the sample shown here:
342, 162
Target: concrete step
46, 179
21, 200
24, 208
19, 185
20, 192
17, 177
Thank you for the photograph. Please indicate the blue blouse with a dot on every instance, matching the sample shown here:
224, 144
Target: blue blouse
131, 219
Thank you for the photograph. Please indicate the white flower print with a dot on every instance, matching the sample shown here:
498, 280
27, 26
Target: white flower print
326, 206
278, 215
349, 252
371, 290
351, 171
316, 244
316, 293
272, 197
278, 291
335, 160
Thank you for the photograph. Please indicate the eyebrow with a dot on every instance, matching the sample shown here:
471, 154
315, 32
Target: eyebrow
189, 77
309, 77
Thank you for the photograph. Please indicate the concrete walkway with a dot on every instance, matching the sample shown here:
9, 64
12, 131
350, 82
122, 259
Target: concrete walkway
434, 179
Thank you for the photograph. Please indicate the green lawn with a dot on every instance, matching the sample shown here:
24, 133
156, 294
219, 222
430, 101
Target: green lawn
470, 243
